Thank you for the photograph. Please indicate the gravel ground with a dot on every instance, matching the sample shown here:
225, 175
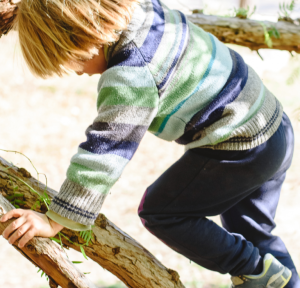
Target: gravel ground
46, 120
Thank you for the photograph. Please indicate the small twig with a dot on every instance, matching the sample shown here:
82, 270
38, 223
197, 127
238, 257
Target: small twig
257, 51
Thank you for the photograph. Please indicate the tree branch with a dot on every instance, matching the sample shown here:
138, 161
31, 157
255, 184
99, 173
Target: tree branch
249, 33
112, 248
48, 256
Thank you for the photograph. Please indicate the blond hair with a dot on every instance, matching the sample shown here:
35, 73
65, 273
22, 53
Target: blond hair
53, 33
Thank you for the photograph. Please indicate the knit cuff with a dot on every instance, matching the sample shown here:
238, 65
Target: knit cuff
77, 203
75, 226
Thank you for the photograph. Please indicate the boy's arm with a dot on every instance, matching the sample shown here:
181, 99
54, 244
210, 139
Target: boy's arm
127, 103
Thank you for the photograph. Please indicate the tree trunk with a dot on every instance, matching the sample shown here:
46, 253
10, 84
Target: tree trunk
111, 248
249, 33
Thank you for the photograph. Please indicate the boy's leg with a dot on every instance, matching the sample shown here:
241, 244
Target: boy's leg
253, 217
206, 183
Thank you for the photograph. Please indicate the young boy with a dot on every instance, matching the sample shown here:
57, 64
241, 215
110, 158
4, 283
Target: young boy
163, 74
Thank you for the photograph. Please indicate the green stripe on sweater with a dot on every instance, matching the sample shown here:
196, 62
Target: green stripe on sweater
192, 69
129, 96
109, 164
90, 179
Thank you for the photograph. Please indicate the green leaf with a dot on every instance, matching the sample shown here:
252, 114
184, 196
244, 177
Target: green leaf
89, 240
86, 237
276, 32
17, 206
10, 197
76, 262
54, 239
60, 241
18, 195
83, 252
20, 202
86, 272
43, 274
46, 196
39, 270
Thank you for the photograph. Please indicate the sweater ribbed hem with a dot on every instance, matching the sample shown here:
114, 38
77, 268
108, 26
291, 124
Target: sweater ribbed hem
67, 222
255, 132
77, 203
263, 135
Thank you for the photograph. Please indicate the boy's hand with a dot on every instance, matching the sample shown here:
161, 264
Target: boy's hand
28, 225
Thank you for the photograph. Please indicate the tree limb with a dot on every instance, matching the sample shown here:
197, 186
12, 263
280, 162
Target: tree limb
112, 248
48, 256
249, 33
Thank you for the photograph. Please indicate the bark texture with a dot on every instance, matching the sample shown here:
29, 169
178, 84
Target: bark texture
48, 256
112, 248
249, 33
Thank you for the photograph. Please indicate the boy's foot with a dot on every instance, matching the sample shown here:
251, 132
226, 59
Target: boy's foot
274, 275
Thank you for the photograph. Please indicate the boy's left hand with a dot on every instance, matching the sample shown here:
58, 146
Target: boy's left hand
28, 225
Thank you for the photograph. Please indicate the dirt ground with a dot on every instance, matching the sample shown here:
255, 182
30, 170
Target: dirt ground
46, 120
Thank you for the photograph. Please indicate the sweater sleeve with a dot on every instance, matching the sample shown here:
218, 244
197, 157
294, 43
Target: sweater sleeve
127, 103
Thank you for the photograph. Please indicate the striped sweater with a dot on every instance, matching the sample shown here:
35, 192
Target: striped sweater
169, 77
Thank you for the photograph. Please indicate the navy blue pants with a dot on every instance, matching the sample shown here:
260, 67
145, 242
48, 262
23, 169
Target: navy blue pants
241, 186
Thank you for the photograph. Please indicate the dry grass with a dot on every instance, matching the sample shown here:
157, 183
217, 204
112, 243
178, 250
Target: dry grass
46, 120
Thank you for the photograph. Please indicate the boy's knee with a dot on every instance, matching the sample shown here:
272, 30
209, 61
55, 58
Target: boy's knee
141, 208
147, 212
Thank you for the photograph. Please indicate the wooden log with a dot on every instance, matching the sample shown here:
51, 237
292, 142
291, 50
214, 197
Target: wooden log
111, 248
48, 256
249, 33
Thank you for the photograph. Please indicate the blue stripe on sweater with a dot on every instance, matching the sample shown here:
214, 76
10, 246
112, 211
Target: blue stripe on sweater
179, 52
130, 56
74, 209
214, 111
161, 128
155, 34
100, 145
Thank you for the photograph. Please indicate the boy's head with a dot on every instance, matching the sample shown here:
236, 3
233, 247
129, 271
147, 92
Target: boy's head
55, 34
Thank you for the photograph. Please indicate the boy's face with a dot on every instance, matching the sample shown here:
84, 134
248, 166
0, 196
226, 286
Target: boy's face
96, 65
